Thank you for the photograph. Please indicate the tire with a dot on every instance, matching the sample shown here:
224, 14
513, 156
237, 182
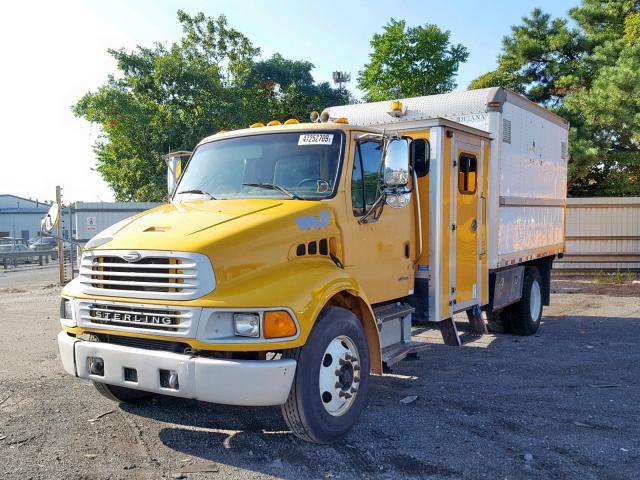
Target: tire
336, 343
496, 322
524, 317
122, 394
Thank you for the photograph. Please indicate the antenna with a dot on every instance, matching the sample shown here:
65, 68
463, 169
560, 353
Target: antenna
341, 79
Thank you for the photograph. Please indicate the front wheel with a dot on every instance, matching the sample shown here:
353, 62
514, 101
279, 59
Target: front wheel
332, 378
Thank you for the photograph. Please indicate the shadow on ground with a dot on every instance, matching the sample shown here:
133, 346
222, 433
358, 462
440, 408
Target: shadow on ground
564, 396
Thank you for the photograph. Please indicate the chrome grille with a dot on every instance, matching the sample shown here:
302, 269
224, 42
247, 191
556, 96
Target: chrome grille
150, 274
149, 318
154, 274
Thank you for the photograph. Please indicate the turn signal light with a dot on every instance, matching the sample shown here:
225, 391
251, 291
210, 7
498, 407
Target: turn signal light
278, 324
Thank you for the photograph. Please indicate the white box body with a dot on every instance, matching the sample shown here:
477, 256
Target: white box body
527, 166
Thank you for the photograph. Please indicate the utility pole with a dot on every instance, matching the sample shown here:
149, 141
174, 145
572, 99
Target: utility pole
59, 233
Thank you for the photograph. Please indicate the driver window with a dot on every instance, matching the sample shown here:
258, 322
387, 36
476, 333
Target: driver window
366, 180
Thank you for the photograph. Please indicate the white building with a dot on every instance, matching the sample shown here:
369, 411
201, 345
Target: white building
93, 217
20, 217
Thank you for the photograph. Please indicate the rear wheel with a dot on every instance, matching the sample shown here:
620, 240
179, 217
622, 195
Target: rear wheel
332, 378
524, 317
122, 394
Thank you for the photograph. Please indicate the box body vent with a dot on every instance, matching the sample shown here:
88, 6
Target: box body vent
506, 130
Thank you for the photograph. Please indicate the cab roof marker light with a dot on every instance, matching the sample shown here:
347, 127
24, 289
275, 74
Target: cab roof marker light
341, 120
274, 123
291, 121
256, 125
397, 109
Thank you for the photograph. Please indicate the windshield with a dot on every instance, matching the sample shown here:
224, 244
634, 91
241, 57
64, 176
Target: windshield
272, 165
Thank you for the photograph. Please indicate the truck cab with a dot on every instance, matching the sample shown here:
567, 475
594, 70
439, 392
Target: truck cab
288, 266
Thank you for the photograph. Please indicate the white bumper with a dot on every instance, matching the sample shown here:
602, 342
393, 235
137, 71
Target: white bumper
232, 382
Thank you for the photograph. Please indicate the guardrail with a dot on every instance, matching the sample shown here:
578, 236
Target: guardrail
11, 258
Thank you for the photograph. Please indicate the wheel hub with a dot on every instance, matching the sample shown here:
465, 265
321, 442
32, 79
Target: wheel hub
345, 378
535, 301
339, 375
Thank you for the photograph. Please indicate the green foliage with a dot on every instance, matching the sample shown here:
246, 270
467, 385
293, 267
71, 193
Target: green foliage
609, 128
632, 27
168, 98
540, 59
409, 62
618, 277
289, 90
591, 76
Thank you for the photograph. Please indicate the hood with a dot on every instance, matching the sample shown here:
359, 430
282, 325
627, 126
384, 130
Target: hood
193, 224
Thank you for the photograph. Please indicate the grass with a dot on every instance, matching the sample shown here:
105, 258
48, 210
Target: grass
618, 277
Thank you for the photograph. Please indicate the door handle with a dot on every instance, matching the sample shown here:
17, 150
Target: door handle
474, 225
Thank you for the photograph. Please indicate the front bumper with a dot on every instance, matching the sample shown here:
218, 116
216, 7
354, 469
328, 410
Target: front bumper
232, 382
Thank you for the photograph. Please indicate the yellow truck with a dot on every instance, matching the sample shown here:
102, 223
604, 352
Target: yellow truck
293, 260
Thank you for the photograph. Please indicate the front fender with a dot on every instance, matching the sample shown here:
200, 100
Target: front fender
304, 285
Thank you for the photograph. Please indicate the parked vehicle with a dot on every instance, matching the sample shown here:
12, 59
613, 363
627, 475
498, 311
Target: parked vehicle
43, 243
12, 245
293, 260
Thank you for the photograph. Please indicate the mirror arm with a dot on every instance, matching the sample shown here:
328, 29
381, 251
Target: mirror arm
377, 205
419, 212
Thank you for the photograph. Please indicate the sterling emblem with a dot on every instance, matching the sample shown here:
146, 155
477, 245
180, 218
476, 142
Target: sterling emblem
132, 256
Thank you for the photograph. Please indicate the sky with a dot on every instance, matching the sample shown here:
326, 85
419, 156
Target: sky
51, 53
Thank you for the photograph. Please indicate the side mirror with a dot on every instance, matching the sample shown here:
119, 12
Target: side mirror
420, 156
175, 162
396, 163
51, 219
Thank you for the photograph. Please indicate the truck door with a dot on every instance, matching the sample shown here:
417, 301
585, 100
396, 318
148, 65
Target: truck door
468, 224
378, 252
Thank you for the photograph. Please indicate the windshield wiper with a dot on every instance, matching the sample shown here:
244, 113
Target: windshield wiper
199, 192
273, 186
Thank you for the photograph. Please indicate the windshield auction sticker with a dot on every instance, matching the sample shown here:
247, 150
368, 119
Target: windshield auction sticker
315, 139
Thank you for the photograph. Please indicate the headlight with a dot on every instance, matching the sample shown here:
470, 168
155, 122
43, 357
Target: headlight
246, 324
66, 309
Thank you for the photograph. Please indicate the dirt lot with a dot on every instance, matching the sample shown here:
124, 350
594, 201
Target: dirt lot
561, 404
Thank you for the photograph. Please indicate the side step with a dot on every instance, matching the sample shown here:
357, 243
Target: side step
394, 325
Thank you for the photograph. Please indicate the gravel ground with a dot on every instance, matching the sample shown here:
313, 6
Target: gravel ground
560, 404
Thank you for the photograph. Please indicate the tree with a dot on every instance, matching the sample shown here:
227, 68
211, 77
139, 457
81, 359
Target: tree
168, 97
409, 62
591, 76
540, 59
607, 129
290, 88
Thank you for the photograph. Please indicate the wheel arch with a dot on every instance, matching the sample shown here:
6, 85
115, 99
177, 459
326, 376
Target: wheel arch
544, 266
355, 303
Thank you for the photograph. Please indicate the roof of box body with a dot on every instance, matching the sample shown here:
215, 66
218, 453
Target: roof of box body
445, 105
